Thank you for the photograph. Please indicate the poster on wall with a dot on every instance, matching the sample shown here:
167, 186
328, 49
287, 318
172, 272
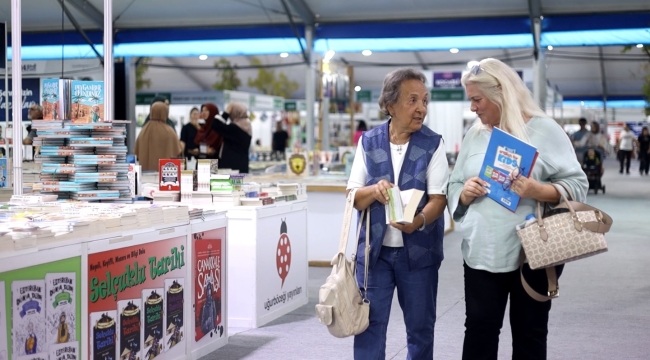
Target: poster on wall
282, 262
127, 294
40, 310
174, 329
31, 95
4, 354
66, 351
208, 279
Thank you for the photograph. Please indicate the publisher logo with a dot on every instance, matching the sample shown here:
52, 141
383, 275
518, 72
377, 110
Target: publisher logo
283, 253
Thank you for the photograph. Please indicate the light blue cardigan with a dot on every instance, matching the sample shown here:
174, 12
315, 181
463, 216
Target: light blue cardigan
490, 240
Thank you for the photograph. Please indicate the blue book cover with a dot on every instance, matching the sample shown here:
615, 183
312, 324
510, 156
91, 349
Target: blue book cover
87, 102
3, 173
505, 154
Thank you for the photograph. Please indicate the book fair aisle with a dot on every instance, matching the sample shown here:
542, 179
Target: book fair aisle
101, 260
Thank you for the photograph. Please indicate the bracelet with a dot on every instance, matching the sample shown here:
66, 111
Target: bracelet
424, 223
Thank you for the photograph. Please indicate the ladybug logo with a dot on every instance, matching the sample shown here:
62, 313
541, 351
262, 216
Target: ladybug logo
283, 253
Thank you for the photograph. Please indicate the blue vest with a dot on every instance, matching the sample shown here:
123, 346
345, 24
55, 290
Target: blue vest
424, 248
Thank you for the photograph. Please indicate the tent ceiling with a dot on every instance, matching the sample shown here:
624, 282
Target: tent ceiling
573, 76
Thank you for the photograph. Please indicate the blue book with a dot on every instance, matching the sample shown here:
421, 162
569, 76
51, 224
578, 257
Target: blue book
3, 173
505, 154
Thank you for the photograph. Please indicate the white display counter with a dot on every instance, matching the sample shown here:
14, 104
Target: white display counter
268, 269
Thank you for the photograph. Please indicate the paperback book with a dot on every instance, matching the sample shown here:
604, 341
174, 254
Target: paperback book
87, 102
402, 205
103, 335
130, 328
506, 155
152, 322
169, 172
174, 321
56, 99
28, 318
61, 307
4, 318
67, 351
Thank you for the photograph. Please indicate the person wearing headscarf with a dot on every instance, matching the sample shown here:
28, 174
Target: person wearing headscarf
156, 140
208, 140
168, 121
237, 132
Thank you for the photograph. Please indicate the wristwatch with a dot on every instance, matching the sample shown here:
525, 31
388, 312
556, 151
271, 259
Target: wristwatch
424, 223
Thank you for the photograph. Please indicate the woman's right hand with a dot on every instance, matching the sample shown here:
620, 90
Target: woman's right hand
194, 152
380, 193
473, 188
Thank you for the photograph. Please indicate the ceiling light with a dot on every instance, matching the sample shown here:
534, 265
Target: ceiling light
453, 50
329, 55
203, 57
472, 63
550, 47
284, 55
357, 88
639, 45
366, 53
582, 103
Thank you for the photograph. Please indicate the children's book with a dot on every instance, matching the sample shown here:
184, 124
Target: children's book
61, 306
169, 171
103, 335
28, 317
4, 350
152, 322
402, 205
506, 154
3, 173
87, 102
130, 328
174, 329
66, 351
56, 97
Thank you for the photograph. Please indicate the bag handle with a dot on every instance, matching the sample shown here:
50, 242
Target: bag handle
551, 275
604, 222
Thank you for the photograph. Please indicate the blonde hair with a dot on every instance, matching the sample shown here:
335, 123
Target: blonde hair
500, 84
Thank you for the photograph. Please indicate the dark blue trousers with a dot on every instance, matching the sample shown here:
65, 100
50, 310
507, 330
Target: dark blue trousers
416, 293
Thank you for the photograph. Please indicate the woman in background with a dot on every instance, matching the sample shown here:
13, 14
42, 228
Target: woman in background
361, 128
235, 128
208, 140
188, 135
156, 140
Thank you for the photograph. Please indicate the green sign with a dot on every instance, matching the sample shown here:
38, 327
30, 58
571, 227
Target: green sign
277, 104
364, 96
448, 95
290, 106
147, 98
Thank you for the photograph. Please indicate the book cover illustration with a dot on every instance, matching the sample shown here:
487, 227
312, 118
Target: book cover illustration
4, 350
39, 356
55, 94
506, 154
130, 328
169, 171
67, 351
152, 323
87, 99
174, 329
103, 335
28, 317
60, 307
3, 173
207, 282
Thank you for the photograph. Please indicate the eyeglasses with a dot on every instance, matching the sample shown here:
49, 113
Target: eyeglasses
518, 171
476, 69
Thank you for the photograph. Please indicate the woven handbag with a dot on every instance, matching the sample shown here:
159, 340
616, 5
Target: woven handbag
562, 237
341, 306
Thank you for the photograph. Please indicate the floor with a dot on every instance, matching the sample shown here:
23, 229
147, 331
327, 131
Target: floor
603, 311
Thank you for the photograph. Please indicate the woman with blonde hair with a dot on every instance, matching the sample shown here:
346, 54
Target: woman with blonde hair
490, 245
156, 140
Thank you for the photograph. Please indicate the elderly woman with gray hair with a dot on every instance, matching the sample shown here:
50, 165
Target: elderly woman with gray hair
402, 152
236, 130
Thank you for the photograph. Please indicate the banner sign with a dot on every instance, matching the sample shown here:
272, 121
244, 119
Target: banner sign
31, 95
135, 301
447, 80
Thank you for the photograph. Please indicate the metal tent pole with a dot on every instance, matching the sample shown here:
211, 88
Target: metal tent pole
108, 60
17, 96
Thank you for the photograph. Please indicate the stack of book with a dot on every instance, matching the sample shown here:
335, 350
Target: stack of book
83, 155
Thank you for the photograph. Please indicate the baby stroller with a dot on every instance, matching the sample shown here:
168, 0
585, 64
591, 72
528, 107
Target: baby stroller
592, 165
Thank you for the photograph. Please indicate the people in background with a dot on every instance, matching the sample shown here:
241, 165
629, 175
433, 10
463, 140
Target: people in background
625, 148
490, 245
235, 128
209, 141
361, 127
188, 135
168, 121
404, 153
596, 140
576, 139
156, 140
280, 140
643, 145
35, 112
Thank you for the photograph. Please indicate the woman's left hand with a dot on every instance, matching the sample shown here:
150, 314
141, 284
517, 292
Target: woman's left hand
210, 151
407, 228
525, 187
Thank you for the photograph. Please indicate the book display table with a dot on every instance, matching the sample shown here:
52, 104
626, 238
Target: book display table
267, 267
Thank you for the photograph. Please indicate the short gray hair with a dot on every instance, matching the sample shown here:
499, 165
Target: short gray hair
392, 83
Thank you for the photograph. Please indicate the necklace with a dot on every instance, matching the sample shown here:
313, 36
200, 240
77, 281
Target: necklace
393, 139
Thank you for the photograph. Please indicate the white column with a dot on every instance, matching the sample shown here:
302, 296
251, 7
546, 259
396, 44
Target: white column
17, 96
310, 88
539, 67
108, 60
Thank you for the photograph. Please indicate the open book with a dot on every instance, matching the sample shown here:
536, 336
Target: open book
402, 205
506, 154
